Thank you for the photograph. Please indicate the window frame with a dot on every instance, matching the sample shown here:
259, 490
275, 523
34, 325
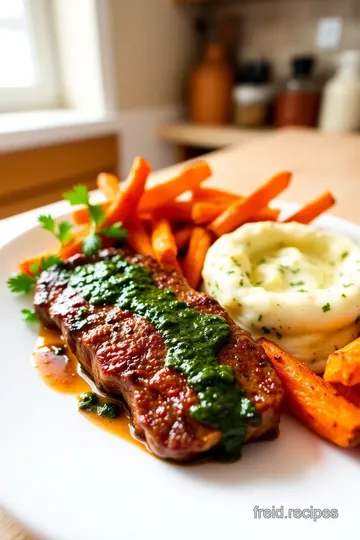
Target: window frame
46, 93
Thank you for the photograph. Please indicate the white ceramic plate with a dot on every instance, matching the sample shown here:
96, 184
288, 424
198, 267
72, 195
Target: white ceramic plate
66, 479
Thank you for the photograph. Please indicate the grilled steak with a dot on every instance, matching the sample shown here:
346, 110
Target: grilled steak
125, 356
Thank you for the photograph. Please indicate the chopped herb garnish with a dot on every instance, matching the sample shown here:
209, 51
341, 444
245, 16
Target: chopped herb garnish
62, 231
247, 275
343, 295
326, 307
88, 401
265, 330
91, 243
260, 318
258, 283
241, 283
348, 285
357, 320
115, 231
297, 283
48, 262
296, 271
229, 272
344, 255
80, 195
278, 335
23, 283
262, 261
29, 315
110, 410
302, 290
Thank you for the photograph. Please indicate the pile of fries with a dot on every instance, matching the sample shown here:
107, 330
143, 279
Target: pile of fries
178, 220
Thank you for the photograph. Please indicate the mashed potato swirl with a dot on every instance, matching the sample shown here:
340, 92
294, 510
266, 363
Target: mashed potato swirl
294, 284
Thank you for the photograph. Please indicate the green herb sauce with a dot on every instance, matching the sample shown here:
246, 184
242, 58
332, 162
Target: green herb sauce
193, 341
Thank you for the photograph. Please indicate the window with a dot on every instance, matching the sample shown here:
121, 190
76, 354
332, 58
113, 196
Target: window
28, 78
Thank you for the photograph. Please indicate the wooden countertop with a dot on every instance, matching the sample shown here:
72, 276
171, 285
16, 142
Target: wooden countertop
319, 162
212, 137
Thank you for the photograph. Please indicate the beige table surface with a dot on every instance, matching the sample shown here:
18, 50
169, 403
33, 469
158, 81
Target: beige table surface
319, 162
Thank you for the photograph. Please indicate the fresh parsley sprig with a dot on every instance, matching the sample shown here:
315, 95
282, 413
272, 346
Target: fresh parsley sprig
29, 315
80, 195
62, 231
23, 283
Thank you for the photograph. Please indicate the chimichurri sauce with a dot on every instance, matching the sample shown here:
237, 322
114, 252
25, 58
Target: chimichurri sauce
193, 341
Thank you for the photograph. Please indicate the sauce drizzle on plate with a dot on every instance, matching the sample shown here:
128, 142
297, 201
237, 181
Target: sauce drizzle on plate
59, 369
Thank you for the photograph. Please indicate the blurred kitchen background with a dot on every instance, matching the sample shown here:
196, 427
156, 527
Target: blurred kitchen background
86, 85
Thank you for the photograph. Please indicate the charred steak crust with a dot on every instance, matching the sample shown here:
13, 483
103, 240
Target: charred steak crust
125, 356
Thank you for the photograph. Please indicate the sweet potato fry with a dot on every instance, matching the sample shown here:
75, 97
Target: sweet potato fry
206, 194
81, 215
127, 200
313, 209
182, 237
109, 185
188, 179
316, 402
343, 366
138, 237
241, 211
200, 241
205, 212
163, 242
351, 393
176, 211
266, 214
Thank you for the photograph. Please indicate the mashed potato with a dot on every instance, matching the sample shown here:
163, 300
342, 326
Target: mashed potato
296, 285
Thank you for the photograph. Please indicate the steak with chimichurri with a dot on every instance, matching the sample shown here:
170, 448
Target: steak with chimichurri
194, 382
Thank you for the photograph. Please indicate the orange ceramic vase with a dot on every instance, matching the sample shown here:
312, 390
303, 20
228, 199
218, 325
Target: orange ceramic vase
210, 88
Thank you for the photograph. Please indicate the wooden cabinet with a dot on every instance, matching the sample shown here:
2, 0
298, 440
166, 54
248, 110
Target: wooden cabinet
38, 176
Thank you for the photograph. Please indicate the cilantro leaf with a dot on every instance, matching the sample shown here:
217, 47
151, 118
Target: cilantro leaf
115, 231
64, 232
78, 195
21, 283
47, 223
29, 315
48, 262
96, 213
35, 268
91, 243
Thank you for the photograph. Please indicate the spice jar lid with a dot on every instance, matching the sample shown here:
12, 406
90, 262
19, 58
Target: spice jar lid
302, 66
256, 71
